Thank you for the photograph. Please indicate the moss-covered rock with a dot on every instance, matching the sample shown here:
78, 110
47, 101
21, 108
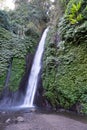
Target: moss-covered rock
65, 74
18, 67
5, 54
12, 46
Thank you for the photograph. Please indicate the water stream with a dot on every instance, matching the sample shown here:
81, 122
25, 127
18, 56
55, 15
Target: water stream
35, 70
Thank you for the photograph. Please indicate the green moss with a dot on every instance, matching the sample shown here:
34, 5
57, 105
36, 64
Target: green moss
5, 54
4, 34
66, 77
65, 74
18, 67
12, 46
2, 81
72, 73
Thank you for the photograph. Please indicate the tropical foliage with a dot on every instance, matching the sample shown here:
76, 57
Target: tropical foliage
73, 25
65, 62
4, 20
65, 57
19, 34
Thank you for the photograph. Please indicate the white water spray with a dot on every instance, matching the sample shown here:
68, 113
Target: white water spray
33, 78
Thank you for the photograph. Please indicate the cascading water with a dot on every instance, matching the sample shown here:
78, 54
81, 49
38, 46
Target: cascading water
33, 78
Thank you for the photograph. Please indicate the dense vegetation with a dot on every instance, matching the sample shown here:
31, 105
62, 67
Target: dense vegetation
65, 62
65, 58
20, 32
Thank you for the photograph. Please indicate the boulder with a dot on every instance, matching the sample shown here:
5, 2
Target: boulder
8, 121
20, 119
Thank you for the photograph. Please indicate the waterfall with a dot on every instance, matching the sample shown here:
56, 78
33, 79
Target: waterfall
35, 70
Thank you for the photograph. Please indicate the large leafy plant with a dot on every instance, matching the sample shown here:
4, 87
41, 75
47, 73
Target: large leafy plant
75, 16
73, 25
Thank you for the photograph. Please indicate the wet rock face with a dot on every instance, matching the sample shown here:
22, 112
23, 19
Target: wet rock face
16, 98
39, 100
24, 80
